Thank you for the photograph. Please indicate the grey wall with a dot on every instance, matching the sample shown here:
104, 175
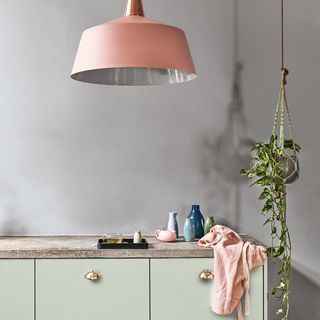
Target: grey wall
84, 159
80, 158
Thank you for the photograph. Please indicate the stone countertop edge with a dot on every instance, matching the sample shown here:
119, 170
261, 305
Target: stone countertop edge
84, 247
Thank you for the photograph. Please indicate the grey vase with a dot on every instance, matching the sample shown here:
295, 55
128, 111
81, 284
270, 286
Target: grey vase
189, 230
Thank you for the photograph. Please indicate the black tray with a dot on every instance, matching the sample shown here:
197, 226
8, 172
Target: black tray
127, 243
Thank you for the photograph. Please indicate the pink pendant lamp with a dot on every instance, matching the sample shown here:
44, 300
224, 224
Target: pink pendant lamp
133, 50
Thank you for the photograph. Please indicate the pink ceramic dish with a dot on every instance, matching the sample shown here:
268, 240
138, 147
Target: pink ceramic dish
166, 235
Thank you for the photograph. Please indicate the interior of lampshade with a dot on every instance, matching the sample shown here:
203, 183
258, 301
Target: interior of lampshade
134, 76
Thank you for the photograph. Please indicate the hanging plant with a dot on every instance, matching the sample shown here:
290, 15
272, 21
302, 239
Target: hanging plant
274, 165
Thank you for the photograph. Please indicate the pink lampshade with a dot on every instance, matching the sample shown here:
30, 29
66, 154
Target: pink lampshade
133, 50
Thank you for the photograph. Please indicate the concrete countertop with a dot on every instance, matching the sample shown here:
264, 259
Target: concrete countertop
73, 247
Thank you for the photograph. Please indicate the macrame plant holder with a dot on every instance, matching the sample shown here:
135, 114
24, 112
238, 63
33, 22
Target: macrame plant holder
289, 160
273, 165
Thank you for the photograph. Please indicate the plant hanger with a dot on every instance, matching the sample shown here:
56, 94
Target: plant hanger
289, 160
274, 164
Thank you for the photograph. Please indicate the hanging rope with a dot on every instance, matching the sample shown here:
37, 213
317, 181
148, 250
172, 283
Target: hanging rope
282, 104
284, 71
282, 34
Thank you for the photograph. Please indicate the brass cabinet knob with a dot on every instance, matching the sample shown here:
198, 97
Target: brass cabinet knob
206, 275
93, 275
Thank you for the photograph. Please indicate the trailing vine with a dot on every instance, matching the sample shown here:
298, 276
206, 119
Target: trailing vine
267, 168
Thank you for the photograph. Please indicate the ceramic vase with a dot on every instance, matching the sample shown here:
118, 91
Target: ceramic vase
189, 230
172, 222
209, 223
198, 220
137, 238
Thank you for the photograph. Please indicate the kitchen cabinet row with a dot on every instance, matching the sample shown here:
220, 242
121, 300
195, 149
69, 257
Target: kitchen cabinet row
133, 288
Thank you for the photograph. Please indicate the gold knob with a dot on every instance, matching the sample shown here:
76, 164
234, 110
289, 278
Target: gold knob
93, 275
206, 275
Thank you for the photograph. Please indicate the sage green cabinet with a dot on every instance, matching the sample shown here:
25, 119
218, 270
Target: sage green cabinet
62, 292
130, 288
177, 292
16, 290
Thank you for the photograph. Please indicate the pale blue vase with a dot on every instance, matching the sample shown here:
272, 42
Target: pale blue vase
172, 223
189, 231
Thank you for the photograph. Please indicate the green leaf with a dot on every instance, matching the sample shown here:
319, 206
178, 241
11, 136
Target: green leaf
270, 251
278, 252
243, 172
266, 209
281, 206
290, 144
261, 170
280, 187
267, 206
258, 146
265, 193
273, 141
264, 181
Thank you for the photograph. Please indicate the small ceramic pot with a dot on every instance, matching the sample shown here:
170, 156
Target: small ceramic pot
166, 235
137, 238
209, 223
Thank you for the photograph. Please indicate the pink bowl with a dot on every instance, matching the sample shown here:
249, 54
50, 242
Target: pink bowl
166, 235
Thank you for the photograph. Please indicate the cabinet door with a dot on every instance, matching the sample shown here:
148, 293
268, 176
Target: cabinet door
16, 289
177, 292
62, 292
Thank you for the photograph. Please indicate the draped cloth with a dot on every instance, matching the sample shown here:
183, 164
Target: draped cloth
234, 259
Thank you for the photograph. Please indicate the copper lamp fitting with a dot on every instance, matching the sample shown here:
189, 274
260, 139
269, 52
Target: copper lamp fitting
134, 8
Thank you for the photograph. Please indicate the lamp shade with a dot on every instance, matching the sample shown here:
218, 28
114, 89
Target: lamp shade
133, 50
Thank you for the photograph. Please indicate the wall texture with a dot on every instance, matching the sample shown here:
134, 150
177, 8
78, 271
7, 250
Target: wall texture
81, 158
86, 159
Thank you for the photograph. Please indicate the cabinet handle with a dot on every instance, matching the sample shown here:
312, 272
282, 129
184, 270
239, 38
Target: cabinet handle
93, 275
206, 275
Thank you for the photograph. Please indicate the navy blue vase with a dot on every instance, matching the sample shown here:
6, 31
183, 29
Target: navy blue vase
198, 220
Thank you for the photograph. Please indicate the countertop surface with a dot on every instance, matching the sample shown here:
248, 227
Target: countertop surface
73, 247
46, 247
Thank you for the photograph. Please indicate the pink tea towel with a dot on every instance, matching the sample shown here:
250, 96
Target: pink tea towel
233, 261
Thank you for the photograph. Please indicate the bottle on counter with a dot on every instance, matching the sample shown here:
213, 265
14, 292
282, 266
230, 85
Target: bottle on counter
137, 238
209, 223
189, 230
198, 220
172, 223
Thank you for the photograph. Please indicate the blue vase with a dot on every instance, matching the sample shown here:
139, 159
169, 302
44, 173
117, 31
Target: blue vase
172, 223
189, 230
198, 220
